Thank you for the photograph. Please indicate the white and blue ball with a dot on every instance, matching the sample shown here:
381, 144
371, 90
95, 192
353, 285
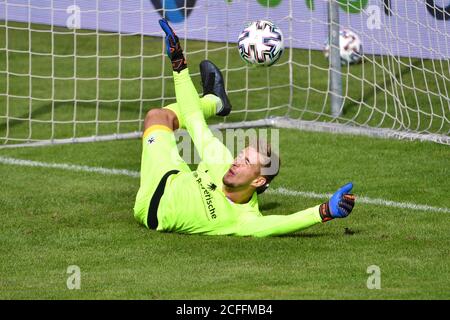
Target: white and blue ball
261, 43
350, 47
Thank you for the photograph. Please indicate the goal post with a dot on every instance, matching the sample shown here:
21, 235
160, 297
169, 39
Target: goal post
335, 58
80, 71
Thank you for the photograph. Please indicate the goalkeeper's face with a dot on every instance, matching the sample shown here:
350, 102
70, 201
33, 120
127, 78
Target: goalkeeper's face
245, 172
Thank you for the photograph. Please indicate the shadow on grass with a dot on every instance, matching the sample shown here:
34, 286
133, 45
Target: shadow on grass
219, 238
48, 108
300, 234
367, 96
345, 232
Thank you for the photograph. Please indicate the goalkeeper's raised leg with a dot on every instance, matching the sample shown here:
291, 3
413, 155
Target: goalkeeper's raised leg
160, 160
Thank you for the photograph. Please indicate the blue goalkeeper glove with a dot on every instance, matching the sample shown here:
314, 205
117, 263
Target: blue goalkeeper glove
173, 47
340, 205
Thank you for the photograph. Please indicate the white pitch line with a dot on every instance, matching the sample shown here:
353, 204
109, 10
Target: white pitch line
361, 199
70, 167
280, 190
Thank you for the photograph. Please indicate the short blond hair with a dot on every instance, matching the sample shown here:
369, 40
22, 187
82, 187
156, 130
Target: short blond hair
267, 160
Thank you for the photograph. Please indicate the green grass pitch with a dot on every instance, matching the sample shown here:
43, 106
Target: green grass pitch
54, 218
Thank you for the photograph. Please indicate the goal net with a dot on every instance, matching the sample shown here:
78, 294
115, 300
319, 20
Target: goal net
82, 70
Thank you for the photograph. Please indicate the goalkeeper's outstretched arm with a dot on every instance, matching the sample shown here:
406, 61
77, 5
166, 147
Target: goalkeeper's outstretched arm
339, 206
277, 225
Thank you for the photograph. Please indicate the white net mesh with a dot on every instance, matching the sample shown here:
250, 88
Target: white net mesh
88, 70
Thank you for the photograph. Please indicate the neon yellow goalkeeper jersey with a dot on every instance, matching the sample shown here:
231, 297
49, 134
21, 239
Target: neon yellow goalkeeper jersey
193, 202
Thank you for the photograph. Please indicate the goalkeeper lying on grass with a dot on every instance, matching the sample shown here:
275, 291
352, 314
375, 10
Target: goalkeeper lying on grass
220, 197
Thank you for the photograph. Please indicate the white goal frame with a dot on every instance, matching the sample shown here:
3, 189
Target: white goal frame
398, 87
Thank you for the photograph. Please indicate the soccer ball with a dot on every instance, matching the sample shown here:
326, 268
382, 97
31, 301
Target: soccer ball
350, 47
261, 43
